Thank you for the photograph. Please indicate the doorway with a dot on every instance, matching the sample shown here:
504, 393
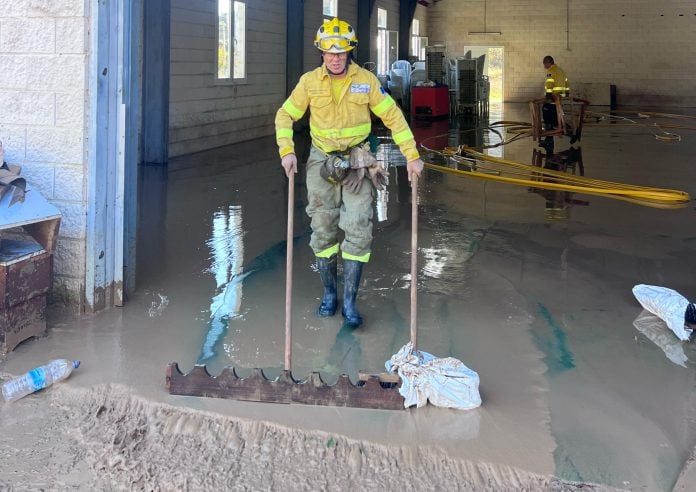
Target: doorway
493, 69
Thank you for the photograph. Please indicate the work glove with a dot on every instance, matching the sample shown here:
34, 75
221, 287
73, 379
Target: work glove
354, 180
414, 166
363, 164
289, 163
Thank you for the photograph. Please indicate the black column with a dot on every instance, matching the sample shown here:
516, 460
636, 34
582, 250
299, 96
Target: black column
295, 43
406, 10
365, 8
156, 20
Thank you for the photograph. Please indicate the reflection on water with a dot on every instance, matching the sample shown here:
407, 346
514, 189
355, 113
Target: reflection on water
657, 331
471, 131
226, 246
345, 355
558, 203
447, 248
541, 312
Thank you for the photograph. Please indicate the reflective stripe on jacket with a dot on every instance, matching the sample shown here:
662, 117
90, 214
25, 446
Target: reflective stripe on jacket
556, 81
336, 125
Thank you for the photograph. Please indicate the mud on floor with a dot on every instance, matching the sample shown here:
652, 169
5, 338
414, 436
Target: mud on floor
108, 439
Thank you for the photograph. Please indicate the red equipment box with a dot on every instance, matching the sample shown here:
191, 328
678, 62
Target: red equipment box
430, 101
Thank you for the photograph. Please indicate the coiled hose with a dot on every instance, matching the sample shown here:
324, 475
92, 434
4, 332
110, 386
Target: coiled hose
532, 176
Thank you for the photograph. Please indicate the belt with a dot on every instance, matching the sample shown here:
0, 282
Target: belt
343, 154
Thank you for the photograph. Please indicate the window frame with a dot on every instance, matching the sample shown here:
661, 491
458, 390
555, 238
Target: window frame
332, 3
232, 80
382, 40
416, 41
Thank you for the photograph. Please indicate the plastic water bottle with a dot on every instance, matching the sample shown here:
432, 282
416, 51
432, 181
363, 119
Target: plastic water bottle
39, 378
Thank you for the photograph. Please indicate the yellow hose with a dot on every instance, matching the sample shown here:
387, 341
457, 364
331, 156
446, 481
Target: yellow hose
651, 197
557, 180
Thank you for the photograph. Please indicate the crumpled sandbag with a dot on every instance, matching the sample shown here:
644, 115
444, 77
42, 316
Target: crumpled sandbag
667, 304
443, 382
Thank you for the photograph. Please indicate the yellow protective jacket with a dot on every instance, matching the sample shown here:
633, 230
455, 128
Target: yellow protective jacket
336, 125
556, 81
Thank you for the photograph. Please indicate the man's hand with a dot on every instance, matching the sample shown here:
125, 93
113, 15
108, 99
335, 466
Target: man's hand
289, 163
415, 166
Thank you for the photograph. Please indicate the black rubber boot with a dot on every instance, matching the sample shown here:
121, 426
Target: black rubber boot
352, 271
327, 272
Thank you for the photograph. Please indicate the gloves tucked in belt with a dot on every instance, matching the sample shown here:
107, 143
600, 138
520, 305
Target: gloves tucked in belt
363, 163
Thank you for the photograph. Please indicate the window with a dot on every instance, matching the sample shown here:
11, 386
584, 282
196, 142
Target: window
330, 9
387, 42
381, 18
418, 42
231, 55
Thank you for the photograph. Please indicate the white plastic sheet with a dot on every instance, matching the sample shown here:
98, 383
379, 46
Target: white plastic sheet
444, 382
667, 304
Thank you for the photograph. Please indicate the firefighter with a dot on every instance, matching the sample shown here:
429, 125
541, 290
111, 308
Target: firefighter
340, 96
556, 80
555, 85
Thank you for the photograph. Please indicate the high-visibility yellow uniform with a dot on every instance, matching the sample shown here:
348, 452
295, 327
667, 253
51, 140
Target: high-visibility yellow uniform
340, 119
338, 124
556, 81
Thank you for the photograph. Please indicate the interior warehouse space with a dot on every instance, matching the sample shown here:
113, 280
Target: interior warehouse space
347, 244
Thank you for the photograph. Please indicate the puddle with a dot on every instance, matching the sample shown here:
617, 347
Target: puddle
538, 303
532, 290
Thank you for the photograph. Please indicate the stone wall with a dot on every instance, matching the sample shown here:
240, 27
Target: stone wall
42, 116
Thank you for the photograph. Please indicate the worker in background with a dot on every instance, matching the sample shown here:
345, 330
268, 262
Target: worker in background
340, 96
555, 85
556, 79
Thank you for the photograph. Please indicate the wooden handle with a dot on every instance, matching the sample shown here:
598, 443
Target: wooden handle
414, 258
288, 272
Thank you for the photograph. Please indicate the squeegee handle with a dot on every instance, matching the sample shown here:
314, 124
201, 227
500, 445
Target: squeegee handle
288, 273
414, 258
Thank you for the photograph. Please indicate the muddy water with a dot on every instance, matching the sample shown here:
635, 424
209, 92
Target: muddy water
532, 292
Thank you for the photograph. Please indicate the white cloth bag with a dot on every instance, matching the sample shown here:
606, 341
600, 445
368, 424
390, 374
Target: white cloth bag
444, 382
667, 304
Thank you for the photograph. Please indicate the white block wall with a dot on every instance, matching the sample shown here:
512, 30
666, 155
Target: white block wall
205, 114
42, 116
644, 47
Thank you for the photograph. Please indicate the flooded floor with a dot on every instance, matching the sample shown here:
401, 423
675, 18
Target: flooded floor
532, 291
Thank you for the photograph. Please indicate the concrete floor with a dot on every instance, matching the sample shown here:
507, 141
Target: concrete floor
535, 297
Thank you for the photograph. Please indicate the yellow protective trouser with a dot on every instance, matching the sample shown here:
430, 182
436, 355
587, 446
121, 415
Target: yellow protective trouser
331, 207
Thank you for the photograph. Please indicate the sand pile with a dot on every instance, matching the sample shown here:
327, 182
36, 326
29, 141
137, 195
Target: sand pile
113, 440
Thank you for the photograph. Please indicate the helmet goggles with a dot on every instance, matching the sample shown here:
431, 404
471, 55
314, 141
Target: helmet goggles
335, 42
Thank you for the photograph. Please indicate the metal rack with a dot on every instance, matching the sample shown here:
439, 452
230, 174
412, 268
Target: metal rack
471, 87
435, 67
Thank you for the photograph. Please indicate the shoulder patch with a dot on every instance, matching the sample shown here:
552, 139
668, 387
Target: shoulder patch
360, 88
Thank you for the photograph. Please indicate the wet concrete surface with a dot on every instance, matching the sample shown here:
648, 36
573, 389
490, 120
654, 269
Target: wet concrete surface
539, 303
